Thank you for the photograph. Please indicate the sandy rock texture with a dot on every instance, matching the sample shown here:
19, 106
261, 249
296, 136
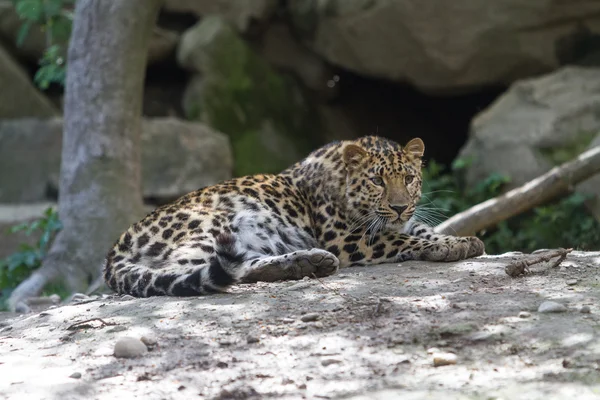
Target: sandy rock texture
365, 333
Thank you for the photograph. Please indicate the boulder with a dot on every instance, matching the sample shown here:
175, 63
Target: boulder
177, 157
448, 47
239, 13
537, 124
265, 113
18, 97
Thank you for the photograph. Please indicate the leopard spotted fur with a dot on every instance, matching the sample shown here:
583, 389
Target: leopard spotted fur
347, 203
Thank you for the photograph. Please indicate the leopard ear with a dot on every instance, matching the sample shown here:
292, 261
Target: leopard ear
353, 155
416, 147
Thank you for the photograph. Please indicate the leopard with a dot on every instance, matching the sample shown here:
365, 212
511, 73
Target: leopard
348, 203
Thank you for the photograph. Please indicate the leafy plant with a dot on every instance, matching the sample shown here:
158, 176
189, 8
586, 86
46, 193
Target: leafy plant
55, 18
18, 266
563, 223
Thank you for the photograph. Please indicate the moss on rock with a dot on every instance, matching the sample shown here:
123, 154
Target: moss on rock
264, 112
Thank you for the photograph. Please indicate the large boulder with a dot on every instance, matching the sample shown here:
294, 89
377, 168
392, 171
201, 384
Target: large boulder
177, 157
537, 124
18, 97
265, 113
445, 46
240, 13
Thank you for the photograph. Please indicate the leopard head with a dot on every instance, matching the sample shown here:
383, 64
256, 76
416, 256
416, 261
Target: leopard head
383, 180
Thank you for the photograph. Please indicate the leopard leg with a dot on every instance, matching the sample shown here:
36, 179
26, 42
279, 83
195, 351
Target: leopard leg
461, 247
291, 266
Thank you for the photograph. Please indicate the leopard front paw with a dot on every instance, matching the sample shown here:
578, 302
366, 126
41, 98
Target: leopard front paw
476, 247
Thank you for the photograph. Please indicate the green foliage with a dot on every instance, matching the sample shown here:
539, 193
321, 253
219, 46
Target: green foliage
55, 19
563, 223
18, 266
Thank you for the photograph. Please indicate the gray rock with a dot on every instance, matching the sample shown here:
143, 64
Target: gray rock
572, 282
551, 307
129, 347
330, 361
310, 317
524, 314
585, 310
177, 157
75, 375
536, 124
239, 13
442, 359
406, 41
252, 339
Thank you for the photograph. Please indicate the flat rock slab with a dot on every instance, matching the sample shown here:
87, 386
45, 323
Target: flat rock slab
375, 337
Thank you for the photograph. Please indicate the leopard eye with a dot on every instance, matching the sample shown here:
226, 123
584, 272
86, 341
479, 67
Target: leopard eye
377, 180
408, 179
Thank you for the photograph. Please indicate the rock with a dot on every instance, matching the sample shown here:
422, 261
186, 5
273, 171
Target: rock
551, 307
270, 123
162, 45
536, 124
447, 47
149, 341
524, 314
330, 361
177, 157
441, 359
572, 282
252, 339
239, 13
585, 310
129, 347
281, 49
310, 317
75, 375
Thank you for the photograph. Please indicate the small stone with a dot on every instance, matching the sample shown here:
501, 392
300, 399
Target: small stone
524, 314
118, 328
572, 282
551, 307
129, 347
585, 310
252, 339
6, 329
149, 341
75, 375
329, 361
222, 364
441, 359
310, 317
433, 350
287, 320
127, 297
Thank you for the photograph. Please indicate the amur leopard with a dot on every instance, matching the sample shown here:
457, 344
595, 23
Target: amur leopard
347, 203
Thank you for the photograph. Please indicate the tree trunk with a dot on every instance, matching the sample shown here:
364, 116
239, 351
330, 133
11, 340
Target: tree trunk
100, 192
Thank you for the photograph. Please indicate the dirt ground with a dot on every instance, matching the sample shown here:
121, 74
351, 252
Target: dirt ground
368, 333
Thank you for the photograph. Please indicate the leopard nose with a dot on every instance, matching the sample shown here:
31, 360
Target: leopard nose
399, 209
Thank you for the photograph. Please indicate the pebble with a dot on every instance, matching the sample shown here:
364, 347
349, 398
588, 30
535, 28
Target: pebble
551, 307
129, 347
524, 314
441, 359
585, 310
329, 361
75, 375
287, 320
572, 282
310, 317
252, 339
149, 341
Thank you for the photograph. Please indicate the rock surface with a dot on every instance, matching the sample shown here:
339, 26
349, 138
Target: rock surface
267, 117
18, 97
177, 157
537, 124
446, 47
239, 13
373, 346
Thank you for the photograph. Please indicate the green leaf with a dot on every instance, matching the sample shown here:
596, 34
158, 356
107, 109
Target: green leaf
30, 10
22, 33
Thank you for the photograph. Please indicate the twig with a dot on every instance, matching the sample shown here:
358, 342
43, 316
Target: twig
80, 324
520, 267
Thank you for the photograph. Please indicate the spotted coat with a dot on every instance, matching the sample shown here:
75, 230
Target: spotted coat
347, 203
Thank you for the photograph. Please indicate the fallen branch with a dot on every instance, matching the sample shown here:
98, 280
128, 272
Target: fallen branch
85, 325
520, 267
557, 181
